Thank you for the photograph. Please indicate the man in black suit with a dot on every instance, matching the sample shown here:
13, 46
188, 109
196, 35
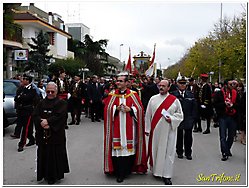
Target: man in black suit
184, 131
204, 104
24, 103
149, 89
194, 88
75, 101
95, 98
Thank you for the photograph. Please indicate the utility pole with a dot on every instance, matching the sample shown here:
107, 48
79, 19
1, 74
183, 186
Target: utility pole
220, 33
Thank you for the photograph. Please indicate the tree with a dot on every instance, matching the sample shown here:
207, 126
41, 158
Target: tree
70, 65
8, 19
226, 43
93, 53
38, 58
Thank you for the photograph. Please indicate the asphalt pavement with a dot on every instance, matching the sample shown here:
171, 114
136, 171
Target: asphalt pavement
85, 153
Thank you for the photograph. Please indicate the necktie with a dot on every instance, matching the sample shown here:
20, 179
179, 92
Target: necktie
182, 94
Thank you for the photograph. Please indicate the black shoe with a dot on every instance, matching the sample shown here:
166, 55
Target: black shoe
229, 154
77, 123
206, 132
120, 180
167, 181
97, 120
30, 143
20, 148
93, 120
216, 125
180, 156
189, 157
224, 157
71, 123
14, 136
66, 127
50, 182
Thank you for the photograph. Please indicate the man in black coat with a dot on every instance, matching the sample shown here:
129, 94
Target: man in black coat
75, 101
24, 103
94, 91
149, 89
204, 102
184, 131
194, 88
50, 118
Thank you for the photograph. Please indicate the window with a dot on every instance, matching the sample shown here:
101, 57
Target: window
51, 38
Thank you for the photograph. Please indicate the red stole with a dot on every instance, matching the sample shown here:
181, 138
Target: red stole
157, 116
109, 123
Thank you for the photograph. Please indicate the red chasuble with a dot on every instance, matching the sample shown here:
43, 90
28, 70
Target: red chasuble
112, 134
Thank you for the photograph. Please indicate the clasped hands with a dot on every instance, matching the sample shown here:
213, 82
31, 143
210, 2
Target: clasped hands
123, 108
44, 124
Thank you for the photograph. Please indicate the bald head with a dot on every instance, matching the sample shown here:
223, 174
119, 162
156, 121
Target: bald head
164, 87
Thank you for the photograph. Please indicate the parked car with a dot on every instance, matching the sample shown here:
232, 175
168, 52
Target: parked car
9, 89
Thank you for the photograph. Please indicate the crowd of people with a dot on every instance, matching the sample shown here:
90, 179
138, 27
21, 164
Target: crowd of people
167, 111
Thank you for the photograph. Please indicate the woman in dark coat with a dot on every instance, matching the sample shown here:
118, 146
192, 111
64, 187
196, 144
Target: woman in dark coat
50, 117
242, 112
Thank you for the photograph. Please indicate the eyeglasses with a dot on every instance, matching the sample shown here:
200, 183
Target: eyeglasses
120, 80
48, 92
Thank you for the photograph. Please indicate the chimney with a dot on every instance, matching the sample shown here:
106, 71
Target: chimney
50, 18
62, 26
32, 4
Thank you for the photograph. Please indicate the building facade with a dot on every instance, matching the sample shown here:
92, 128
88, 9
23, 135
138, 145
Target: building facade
77, 30
32, 20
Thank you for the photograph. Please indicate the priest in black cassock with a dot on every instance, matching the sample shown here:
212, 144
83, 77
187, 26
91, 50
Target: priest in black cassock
50, 117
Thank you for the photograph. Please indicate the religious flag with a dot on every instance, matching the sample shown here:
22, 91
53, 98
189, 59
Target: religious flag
128, 66
155, 71
150, 71
153, 56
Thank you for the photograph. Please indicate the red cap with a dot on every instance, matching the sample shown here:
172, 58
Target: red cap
204, 75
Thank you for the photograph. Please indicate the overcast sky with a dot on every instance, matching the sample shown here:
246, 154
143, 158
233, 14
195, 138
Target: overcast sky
174, 27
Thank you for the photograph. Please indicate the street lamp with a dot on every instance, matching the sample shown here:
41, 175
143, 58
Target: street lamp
120, 51
83, 70
211, 73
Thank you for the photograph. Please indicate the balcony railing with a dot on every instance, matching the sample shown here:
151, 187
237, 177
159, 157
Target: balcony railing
13, 32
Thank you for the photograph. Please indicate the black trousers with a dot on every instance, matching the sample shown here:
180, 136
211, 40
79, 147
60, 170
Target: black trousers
208, 119
95, 110
26, 123
184, 137
76, 109
123, 165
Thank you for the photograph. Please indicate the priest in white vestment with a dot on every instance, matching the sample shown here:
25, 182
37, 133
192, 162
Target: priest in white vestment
163, 116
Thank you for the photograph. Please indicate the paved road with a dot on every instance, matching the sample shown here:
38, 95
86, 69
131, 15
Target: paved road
85, 152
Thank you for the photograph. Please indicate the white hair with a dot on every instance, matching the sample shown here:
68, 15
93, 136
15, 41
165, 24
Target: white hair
53, 84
